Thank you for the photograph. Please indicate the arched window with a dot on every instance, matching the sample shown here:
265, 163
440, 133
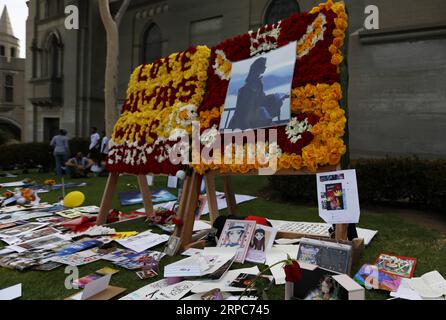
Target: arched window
53, 63
2, 51
280, 9
9, 88
13, 52
152, 44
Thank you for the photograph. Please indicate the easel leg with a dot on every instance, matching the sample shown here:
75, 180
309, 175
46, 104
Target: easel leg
146, 195
188, 215
229, 193
211, 197
107, 198
341, 232
182, 205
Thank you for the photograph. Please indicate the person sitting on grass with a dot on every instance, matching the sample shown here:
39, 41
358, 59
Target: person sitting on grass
79, 166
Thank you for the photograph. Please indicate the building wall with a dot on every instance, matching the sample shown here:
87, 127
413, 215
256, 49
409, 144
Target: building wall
397, 94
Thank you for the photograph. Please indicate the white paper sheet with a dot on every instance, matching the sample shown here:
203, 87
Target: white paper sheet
147, 292
11, 293
192, 251
318, 229
201, 225
175, 291
172, 182
143, 241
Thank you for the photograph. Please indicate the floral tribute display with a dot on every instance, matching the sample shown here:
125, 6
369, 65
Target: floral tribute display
314, 136
162, 102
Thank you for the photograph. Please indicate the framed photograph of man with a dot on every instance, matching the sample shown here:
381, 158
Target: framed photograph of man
237, 234
259, 91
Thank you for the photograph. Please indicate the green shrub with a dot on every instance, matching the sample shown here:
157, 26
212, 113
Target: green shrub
25, 155
34, 154
79, 145
411, 181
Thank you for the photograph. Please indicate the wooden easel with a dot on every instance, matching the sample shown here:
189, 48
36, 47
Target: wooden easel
109, 192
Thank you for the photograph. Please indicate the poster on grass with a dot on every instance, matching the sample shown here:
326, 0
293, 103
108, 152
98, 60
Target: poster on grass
338, 199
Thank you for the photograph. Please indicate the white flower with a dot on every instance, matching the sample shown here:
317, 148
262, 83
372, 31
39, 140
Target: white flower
264, 44
209, 136
191, 115
177, 134
295, 128
217, 70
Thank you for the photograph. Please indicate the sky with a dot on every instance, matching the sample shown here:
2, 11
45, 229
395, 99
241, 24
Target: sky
18, 13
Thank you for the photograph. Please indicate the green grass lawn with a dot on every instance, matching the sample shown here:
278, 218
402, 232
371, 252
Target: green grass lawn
395, 236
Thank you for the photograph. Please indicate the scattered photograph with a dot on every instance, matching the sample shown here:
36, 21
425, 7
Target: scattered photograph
47, 242
146, 274
21, 229
245, 280
370, 277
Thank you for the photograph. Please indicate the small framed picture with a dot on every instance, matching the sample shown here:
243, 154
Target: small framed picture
237, 234
173, 245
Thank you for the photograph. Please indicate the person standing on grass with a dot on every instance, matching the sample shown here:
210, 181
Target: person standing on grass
104, 146
95, 143
61, 150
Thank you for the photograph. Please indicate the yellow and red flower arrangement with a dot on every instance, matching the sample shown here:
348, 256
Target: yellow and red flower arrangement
162, 98
314, 136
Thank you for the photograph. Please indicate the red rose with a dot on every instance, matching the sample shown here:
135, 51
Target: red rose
293, 273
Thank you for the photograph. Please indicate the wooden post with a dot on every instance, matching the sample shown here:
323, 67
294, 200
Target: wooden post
187, 208
182, 205
146, 195
341, 232
229, 193
107, 198
211, 197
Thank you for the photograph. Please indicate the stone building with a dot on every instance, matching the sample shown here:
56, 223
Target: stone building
12, 75
397, 93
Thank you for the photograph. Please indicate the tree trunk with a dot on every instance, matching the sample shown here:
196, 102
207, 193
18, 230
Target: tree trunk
111, 26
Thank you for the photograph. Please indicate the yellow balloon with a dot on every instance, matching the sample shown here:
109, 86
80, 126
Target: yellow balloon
74, 199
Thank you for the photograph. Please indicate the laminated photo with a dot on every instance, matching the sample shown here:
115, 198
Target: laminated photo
262, 240
237, 234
